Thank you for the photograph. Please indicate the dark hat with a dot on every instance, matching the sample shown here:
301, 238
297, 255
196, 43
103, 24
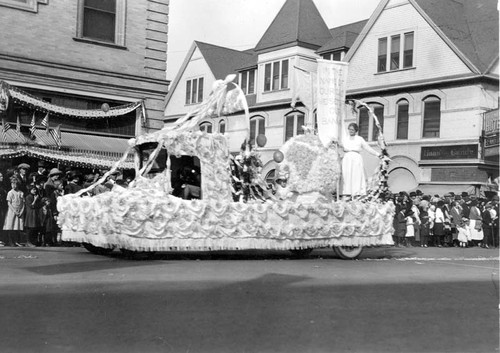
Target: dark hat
54, 171
74, 175
458, 197
473, 202
426, 197
495, 198
23, 166
413, 194
419, 192
440, 203
465, 194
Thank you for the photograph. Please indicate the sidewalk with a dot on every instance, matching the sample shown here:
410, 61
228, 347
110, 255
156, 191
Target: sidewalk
392, 252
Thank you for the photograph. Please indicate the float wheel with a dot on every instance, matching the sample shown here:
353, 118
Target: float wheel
348, 252
97, 249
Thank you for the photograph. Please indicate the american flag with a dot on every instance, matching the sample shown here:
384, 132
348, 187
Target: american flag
5, 127
18, 127
56, 135
45, 122
33, 126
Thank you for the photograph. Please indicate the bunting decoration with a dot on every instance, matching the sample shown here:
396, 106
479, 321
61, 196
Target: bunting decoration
33, 126
45, 123
5, 127
56, 135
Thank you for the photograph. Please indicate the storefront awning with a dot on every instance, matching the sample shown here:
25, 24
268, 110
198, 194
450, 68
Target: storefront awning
76, 149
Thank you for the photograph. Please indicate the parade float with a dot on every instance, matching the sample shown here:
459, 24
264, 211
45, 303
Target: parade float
237, 210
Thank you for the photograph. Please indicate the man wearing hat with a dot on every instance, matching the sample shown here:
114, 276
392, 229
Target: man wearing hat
50, 185
23, 177
40, 174
74, 182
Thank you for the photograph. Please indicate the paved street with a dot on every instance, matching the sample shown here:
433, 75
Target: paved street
391, 300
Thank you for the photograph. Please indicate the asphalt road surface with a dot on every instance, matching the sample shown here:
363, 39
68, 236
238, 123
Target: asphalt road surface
390, 300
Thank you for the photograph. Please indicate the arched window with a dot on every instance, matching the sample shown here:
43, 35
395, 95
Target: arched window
270, 177
367, 124
432, 117
257, 127
222, 127
402, 120
206, 127
293, 124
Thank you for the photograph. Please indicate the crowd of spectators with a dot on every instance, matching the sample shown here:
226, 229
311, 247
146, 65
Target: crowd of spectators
28, 201
451, 220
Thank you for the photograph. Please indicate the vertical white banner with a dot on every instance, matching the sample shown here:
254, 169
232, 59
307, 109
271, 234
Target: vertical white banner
331, 88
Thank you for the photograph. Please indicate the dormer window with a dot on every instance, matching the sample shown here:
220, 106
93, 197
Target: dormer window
276, 76
395, 52
336, 56
194, 91
248, 81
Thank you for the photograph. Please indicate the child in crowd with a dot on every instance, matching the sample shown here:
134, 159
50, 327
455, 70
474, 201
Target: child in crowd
410, 228
32, 221
14, 218
463, 233
49, 224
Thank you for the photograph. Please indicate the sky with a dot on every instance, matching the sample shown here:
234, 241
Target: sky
239, 24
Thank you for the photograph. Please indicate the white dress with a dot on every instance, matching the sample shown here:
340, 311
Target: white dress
353, 172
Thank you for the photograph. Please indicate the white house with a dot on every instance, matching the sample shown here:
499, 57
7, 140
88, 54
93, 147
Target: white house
428, 68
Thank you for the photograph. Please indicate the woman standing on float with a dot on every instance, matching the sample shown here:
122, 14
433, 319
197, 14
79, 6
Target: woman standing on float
353, 172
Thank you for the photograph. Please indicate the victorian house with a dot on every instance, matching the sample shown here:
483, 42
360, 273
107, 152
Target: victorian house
80, 78
428, 69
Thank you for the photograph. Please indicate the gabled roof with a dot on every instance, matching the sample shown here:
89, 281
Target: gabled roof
343, 36
222, 61
470, 28
297, 23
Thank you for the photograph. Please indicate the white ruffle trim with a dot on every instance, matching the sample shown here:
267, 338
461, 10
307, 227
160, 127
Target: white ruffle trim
150, 220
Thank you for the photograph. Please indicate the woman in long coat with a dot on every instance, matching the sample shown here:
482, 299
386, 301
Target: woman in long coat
476, 226
439, 220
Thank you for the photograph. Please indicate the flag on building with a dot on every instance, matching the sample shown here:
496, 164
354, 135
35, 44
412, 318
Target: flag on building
5, 127
56, 135
18, 127
45, 123
331, 90
33, 126
304, 88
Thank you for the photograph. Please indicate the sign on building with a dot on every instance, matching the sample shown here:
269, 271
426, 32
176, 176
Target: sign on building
491, 134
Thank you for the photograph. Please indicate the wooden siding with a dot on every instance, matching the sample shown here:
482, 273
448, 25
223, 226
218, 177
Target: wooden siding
433, 58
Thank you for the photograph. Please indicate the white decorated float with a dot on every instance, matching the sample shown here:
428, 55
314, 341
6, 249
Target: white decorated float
235, 211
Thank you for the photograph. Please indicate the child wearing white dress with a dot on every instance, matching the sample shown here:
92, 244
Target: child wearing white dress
410, 228
14, 218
